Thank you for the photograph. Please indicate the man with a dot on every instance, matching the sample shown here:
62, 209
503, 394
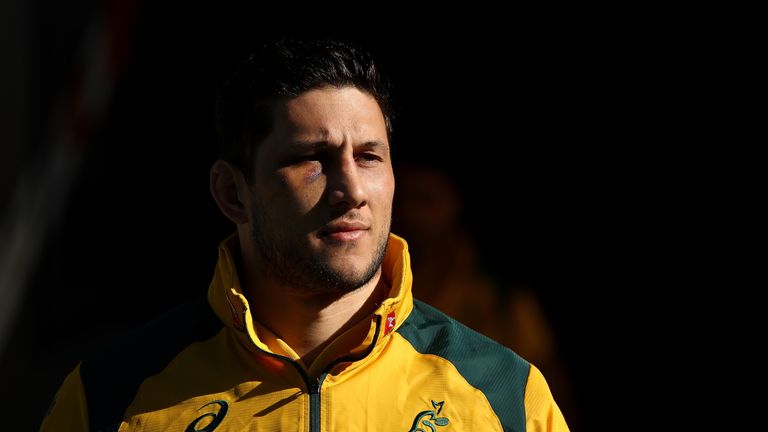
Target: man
309, 323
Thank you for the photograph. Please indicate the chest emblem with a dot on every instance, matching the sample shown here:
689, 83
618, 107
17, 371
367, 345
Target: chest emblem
217, 417
426, 421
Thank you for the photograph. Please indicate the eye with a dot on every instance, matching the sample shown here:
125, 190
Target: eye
302, 159
368, 159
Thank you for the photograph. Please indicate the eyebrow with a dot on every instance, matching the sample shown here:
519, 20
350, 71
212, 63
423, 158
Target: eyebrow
321, 145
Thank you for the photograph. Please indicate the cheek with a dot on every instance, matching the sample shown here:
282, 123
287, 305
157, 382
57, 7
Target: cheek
300, 191
383, 188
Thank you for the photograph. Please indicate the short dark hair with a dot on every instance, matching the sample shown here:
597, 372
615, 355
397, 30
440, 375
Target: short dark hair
285, 68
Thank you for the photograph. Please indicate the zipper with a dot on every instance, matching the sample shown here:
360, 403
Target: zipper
313, 385
314, 404
314, 388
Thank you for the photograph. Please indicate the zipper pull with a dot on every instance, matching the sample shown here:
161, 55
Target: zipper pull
315, 387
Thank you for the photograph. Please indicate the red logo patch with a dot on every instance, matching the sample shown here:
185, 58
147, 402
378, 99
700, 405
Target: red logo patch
390, 323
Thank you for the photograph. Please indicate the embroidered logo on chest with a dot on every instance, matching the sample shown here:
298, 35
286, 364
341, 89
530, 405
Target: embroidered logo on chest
426, 421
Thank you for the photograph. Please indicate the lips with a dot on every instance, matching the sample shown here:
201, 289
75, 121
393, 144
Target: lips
344, 230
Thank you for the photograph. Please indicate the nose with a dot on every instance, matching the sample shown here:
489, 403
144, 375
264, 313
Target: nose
346, 187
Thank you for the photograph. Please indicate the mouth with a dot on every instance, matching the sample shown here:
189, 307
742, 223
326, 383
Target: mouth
340, 232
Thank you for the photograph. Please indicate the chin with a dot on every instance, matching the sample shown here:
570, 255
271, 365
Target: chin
354, 267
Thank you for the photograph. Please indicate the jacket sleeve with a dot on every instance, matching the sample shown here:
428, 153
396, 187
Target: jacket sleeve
68, 411
541, 412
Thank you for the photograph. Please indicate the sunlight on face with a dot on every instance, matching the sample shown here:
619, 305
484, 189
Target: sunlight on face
322, 191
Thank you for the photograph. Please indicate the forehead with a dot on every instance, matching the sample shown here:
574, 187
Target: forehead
332, 114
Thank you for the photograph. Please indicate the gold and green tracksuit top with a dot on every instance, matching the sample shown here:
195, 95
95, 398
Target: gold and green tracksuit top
206, 367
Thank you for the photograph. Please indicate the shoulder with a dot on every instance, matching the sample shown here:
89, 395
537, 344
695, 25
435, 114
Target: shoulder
158, 339
431, 331
112, 375
541, 410
490, 367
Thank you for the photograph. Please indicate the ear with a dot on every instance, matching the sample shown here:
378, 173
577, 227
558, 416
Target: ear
229, 190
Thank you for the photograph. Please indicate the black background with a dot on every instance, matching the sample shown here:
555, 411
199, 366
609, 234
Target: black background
555, 126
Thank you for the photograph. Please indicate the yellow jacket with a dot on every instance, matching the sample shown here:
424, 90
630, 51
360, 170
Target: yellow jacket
205, 367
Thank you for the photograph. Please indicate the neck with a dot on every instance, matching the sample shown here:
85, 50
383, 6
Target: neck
315, 319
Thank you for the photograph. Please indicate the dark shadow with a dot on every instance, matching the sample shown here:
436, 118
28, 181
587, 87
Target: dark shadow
450, 273
276, 405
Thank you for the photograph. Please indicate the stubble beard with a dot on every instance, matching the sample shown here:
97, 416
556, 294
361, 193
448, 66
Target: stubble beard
293, 266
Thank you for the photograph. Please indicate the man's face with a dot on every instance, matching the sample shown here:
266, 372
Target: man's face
322, 191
